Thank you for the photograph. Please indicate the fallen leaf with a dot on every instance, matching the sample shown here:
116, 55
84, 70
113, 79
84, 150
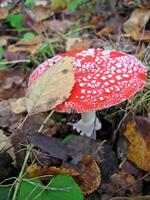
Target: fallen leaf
144, 36
12, 84
29, 49
35, 41
138, 19
106, 31
38, 13
52, 87
58, 25
58, 4
90, 177
138, 151
7, 117
35, 171
4, 39
18, 105
123, 182
4, 13
6, 145
143, 125
77, 44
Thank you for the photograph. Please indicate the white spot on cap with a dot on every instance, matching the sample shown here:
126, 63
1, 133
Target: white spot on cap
107, 90
106, 83
118, 77
85, 79
118, 71
101, 98
103, 78
83, 91
130, 71
125, 75
82, 84
93, 81
89, 92
97, 84
94, 92
89, 77
112, 81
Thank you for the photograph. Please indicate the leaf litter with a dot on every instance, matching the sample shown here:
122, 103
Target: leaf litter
53, 28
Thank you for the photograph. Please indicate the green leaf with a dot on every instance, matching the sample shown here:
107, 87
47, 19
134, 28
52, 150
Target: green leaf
61, 187
29, 3
29, 36
1, 52
68, 139
16, 21
4, 192
73, 4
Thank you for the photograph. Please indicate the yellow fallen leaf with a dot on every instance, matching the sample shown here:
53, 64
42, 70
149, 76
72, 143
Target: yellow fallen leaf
138, 151
58, 4
52, 87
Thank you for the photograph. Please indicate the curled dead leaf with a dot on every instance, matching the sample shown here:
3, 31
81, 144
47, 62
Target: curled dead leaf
90, 178
46, 172
106, 31
52, 87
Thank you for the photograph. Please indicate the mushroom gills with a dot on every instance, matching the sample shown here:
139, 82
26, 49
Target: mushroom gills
88, 124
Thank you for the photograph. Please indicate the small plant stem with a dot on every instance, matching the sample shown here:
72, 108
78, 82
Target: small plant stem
14, 62
29, 149
21, 174
45, 121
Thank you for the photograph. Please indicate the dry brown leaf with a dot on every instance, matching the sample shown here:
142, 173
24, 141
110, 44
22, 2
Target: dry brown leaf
35, 41
123, 182
137, 36
4, 39
38, 13
90, 178
58, 25
138, 151
4, 13
106, 31
77, 44
18, 105
35, 171
29, 49
52, 87
6, 145
138, 19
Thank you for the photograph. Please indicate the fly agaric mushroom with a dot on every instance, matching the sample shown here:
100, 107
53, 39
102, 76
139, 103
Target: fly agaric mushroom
103, 78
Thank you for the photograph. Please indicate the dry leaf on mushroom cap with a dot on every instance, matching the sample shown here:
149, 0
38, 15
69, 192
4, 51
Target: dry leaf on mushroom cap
52, 87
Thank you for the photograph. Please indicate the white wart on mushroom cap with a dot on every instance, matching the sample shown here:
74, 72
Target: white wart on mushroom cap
103, 78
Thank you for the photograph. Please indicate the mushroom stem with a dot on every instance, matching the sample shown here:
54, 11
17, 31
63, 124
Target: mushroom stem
88, 124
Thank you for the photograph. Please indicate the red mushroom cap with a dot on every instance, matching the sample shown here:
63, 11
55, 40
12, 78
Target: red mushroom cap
103, 78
